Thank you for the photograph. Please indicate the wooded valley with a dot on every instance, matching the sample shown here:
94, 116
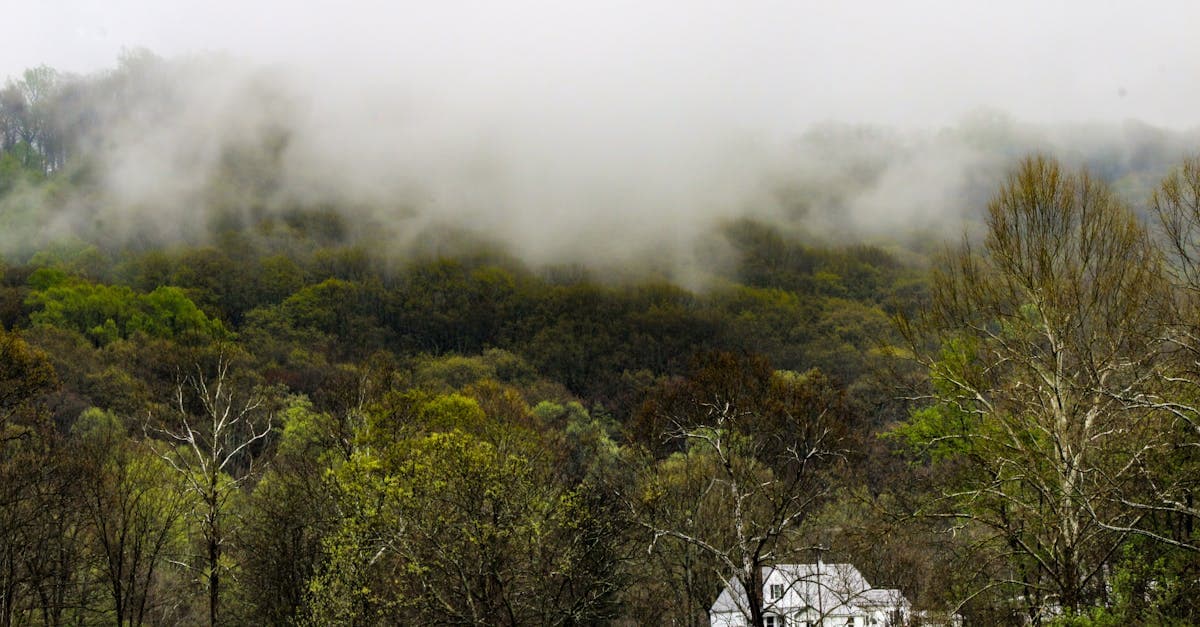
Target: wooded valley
280, 416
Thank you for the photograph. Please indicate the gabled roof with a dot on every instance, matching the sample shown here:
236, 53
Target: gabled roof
831, 589
725, 602
883, 597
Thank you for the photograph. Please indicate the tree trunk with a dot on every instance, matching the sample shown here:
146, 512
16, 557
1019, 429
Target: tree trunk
214, 550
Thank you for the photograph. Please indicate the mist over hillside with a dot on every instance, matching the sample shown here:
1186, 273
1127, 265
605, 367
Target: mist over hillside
174, 149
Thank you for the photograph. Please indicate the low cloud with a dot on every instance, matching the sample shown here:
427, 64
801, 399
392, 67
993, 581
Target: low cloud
587, 173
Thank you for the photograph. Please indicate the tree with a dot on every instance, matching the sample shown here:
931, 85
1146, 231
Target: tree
755, 448
26, 376
52, 537
291, 512
1030, 344
105, 313
1175, 482
133, 509
449, 517
43, 117
215, 431
41, 539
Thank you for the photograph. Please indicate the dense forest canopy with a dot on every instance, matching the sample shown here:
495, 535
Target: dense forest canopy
255, 373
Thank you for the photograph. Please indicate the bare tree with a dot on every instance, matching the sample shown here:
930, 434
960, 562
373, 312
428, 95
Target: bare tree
1031, 345
1171, 484
215, 430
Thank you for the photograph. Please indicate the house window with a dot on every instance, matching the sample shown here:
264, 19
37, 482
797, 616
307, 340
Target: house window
773, 621
776, 591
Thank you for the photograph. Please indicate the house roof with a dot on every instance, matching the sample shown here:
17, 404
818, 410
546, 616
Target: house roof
882, 597
832, 589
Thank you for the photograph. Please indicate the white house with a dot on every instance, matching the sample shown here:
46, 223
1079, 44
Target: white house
808, 595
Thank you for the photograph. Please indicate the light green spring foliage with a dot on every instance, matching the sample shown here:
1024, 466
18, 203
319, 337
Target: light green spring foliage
311, 434
446, 520
106, 313
941, 431
1147, 586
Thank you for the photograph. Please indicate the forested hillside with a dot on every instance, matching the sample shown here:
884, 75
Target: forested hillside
242, 406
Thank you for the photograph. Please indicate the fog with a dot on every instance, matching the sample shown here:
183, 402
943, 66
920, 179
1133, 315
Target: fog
774, 65
604, 133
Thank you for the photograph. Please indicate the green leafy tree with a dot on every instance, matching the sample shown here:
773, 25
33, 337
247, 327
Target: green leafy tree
450, 518
106, 313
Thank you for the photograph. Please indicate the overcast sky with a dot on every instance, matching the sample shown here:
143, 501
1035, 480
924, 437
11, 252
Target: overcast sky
895, 62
